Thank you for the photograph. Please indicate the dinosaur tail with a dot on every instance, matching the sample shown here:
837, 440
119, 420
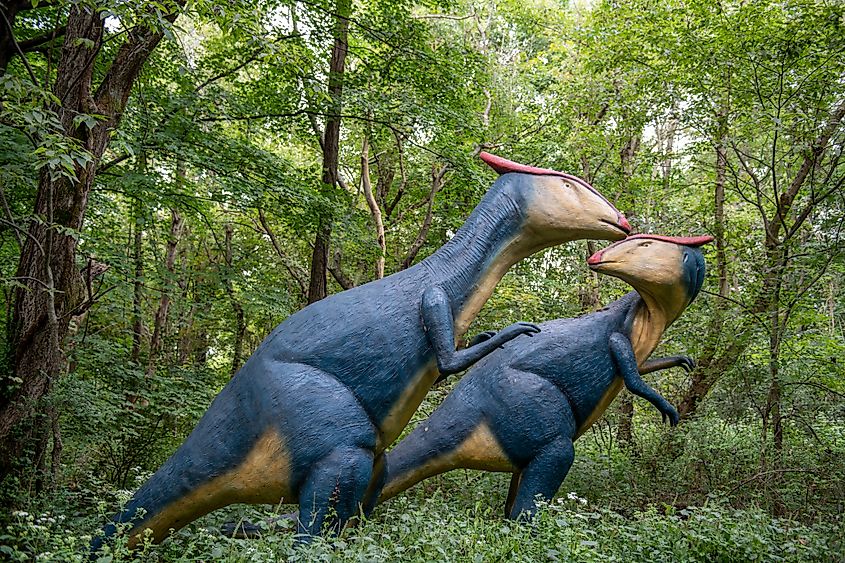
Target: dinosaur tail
433, 447
184, 488
151, 499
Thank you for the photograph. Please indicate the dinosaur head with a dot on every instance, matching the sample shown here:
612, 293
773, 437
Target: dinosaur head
668, 269
561, 207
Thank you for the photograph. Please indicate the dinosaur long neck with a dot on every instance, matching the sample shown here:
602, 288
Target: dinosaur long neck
653, 313
470, 265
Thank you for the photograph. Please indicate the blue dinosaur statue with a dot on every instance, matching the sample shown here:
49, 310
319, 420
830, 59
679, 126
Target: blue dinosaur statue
520, 409
309, 415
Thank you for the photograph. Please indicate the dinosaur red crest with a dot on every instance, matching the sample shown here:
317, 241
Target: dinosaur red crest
686, 241
503, 166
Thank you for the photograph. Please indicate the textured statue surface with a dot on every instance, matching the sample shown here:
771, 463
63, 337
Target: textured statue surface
309, 415
520, 408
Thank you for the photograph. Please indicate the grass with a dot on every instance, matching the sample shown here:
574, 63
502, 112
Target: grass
691, 494
448, 521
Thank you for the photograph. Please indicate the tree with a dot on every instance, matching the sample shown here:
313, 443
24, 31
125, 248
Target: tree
330, 144
51, 286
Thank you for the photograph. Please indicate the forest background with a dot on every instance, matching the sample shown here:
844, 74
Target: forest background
180, 176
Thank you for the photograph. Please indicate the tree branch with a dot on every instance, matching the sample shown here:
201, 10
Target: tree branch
30, 44
436, 184
819, 145
295, 274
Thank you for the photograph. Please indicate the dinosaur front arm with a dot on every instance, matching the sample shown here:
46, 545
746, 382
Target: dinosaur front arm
440, 327
626, 363
479, 338
657, 364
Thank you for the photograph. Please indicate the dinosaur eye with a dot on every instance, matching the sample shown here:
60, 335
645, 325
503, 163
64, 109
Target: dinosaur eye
686, 257
645, 244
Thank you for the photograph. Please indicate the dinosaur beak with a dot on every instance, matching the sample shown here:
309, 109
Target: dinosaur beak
595, 259
624, 225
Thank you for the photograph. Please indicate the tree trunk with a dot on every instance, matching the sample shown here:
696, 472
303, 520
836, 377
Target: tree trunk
710, 367
8, 49
666, 165
240, 317
772, 417
588, 292
437, 175
138, 289
317, 288
56, 452
176, 224
625, 428
51, 282
296, 273
719, 204
627, 160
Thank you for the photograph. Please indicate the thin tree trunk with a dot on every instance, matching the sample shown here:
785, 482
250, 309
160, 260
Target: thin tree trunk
337, 272
710, 368
176, 224
588, 290
293, 269
240, 317
317, 287
8, 46
58, 446
138, 289
666, 165
627, 158
772, 417
625, 428
375, 212
719, 201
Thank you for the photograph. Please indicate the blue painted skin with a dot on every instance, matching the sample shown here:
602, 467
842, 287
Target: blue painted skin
309, 415
521, 408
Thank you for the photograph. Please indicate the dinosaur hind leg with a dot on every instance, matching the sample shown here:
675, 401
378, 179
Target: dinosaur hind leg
337, 482
542, 476
432, 449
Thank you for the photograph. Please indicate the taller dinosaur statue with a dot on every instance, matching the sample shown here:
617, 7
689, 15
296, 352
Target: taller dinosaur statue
309, 415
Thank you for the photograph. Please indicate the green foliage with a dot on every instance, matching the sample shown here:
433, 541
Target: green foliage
456, 517
222, 131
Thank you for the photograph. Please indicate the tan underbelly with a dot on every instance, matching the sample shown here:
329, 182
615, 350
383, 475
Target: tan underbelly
406, 405
602, 405
481, 450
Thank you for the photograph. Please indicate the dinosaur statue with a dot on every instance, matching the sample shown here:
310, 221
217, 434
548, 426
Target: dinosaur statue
520, 408
309, 415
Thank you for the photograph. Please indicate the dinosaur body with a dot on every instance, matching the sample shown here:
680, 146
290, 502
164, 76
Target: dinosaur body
520, 409
307, 417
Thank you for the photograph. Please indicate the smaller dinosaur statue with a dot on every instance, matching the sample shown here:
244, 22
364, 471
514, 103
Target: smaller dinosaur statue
520, 409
